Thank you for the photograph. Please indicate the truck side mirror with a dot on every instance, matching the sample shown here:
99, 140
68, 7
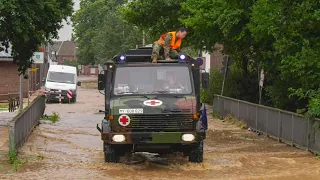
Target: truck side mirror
101, 82
78, 83
205, 80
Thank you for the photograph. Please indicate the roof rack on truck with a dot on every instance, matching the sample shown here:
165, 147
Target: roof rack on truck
143, 55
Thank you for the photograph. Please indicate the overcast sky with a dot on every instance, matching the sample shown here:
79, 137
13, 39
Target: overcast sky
66, 30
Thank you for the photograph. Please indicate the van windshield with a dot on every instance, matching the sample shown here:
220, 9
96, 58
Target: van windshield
152, 80
61, 77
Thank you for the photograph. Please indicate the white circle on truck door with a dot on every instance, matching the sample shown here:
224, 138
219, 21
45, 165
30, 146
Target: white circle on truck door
152, 102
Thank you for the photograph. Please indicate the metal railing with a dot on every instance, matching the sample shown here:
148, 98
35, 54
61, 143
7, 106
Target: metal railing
287, 127
23, 123
12, 100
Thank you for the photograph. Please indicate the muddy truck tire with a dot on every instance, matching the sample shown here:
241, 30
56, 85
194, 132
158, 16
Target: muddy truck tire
196, 154
110, 154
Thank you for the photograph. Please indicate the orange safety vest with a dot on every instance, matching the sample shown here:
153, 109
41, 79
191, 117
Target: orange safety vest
173, 44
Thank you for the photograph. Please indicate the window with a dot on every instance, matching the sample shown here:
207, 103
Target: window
61, 77
92, 70
152, 80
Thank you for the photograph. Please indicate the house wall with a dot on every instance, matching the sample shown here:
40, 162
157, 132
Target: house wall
66, 57
10, 80
214, 59
90, 70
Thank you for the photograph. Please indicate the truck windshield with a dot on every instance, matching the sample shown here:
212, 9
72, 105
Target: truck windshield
152, 80
61, 77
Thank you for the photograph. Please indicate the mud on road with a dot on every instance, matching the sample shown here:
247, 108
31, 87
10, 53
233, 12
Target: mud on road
72, 149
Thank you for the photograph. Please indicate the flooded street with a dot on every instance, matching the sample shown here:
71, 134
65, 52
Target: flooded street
71, 148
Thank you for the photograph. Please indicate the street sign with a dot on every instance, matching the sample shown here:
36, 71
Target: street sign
223, 69
38, 57
225, 60
69, 94
34, 69
201, 61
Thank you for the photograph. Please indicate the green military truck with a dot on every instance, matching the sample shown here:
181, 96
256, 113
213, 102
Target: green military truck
152, 107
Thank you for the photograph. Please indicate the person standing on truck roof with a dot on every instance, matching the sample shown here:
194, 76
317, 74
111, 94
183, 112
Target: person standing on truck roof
170, 43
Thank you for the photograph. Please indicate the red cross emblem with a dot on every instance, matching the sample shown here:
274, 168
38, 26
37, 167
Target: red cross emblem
152, 102
124, 120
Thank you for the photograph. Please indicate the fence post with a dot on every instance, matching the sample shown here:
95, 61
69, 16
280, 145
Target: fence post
308, 136
238, 110
267, 122
12, 145
247, 114
279, 126
256, 117
218, 110
292, 119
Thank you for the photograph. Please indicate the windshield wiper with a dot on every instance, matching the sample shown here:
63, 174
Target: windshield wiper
135, 93
167, 92
161, 92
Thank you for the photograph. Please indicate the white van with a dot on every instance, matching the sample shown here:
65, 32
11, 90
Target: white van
64, 78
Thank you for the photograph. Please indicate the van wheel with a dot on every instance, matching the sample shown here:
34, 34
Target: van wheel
110, 154
74, 99
196, 154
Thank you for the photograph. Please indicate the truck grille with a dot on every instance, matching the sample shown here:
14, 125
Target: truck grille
162, 122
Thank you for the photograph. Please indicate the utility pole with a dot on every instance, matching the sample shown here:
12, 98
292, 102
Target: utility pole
225, 71
143, 38
21, 92
224, 76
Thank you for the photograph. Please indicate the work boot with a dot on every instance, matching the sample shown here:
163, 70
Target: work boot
154, 59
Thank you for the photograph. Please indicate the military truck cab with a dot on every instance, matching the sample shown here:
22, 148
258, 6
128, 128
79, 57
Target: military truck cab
152, 107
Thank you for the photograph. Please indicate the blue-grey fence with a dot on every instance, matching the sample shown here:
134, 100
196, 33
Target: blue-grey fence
23, 123
287, 127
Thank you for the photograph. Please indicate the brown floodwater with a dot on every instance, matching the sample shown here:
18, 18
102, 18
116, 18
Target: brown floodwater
72, 149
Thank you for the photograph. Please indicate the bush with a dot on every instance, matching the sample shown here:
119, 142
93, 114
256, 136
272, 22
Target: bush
232, 87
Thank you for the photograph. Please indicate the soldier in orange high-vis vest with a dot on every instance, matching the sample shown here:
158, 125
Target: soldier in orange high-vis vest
170, 44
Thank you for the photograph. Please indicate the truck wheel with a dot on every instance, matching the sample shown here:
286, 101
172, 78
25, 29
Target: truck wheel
196, 154
110, 154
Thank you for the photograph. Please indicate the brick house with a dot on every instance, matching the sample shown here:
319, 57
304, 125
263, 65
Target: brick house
67, 51
90, 70
213, 59
10, 79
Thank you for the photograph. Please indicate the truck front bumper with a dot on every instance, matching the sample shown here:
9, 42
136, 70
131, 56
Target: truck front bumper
153, 137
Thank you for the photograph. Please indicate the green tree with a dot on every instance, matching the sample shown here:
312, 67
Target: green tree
100, 31
25, 24
156, 16
292, 30
210, 22
280, 36
225, 22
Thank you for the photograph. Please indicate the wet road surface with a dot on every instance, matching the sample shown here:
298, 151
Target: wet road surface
72, 149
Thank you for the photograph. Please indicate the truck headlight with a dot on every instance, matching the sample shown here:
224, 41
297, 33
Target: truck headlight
118, 138
188, 137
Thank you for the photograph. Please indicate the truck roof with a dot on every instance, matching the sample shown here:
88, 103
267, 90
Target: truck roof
143, 56
63, 68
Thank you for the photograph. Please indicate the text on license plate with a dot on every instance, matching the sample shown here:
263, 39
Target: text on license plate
130, 111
